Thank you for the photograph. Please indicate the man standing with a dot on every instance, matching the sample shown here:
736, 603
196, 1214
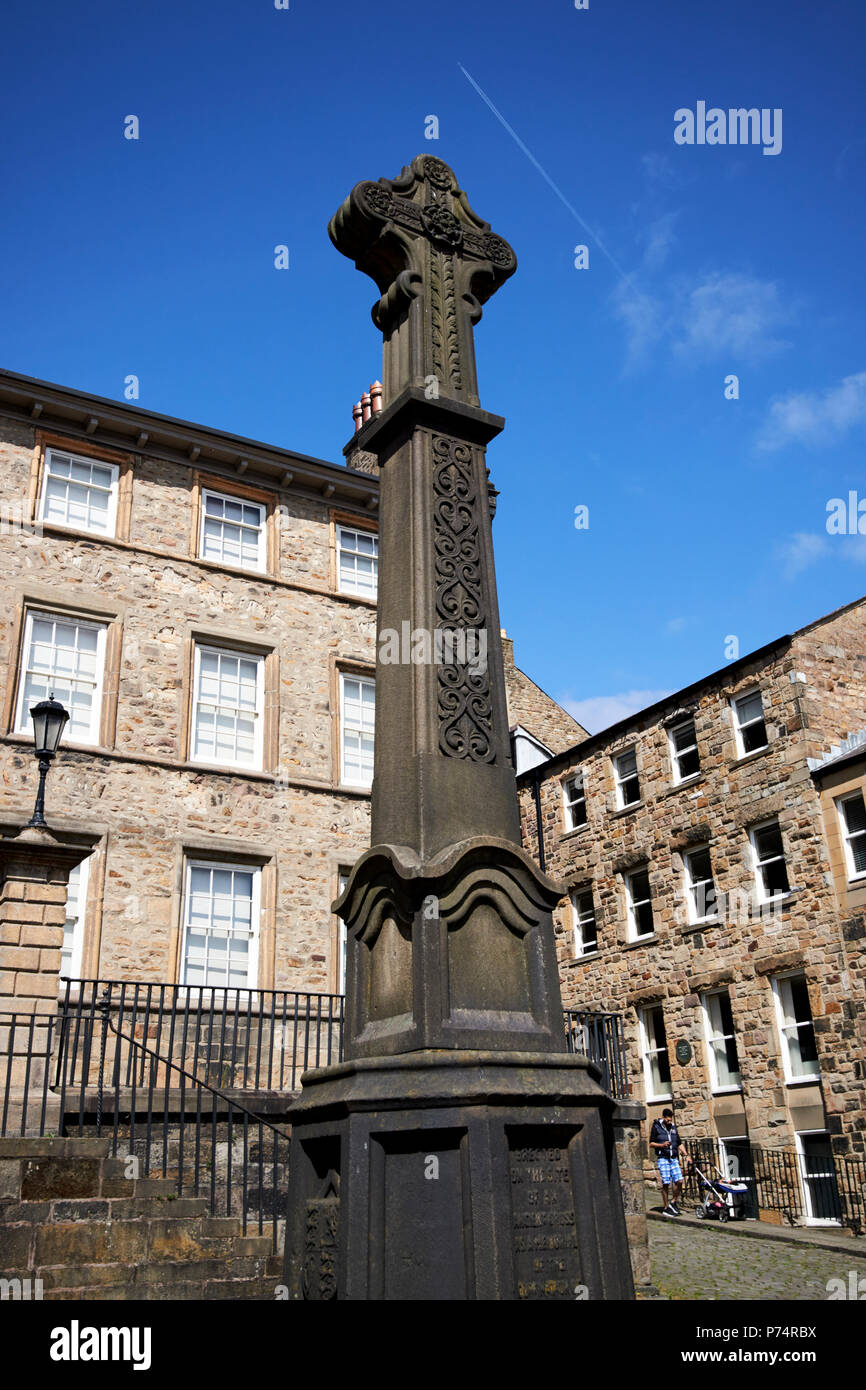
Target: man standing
665, 1140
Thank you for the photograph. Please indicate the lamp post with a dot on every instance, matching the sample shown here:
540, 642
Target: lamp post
49, 718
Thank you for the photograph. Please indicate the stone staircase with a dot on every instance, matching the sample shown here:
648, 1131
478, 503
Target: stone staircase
70, 1217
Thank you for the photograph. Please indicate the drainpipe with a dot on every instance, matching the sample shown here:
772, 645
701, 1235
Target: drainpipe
536, 787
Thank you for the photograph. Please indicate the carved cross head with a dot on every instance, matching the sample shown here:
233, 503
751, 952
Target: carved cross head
435, 262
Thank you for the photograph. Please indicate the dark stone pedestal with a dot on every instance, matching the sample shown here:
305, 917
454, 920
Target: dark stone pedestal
456, 1175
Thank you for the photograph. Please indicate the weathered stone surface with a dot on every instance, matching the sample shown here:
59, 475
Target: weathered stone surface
439, 1162
60, 1177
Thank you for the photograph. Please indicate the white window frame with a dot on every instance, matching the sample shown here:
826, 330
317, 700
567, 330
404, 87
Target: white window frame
58, 681
758, 863
195, 862
570, 802
111, 510
212, 759
736, 701
621, 781
580, 919
809, 1078
363, 680
73, 970
799, 1136
711, 1036
342, 937
691, 883
854, 874
676, 754
647, 1049
262, 551
348, 588
634, 903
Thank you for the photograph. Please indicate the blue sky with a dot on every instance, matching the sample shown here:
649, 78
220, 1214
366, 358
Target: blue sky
707, 516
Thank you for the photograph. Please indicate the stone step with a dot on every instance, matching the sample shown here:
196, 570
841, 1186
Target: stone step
44, 1146
74, 1220
127, 1208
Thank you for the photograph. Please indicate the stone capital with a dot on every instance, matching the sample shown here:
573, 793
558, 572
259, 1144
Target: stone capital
435, 263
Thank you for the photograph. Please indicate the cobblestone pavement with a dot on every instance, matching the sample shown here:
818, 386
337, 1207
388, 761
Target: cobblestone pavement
707, 1262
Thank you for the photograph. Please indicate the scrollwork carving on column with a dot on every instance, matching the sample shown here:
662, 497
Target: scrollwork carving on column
464, 701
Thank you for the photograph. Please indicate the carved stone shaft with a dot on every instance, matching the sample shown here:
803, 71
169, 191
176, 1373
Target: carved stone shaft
450, 934
458, 1151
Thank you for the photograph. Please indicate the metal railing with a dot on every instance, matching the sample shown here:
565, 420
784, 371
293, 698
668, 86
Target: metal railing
172, 1123
600, 1037
243, 1040
816, 1187
237, 1040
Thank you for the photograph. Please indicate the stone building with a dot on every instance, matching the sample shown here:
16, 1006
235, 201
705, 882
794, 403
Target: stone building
714, 850
205, 606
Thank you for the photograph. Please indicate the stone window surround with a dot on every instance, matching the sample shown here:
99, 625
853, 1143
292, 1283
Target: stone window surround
619, 782
337, 518
344, 666
574, 774
84, 449
338, 867
741, 753
235, 641
632, 938
577, 890
672, 726
705, 996
88, 607
752, 828
643, 1010
855, 878
689, 884
775, 977
205, 482
210, 866
229, 851
91, 685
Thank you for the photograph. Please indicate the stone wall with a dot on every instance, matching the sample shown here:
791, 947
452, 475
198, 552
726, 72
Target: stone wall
680, 961
138, 792
145, 804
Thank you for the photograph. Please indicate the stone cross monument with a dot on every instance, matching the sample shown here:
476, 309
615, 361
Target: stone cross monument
458, 1152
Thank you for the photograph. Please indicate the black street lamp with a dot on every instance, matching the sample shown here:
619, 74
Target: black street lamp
49, 718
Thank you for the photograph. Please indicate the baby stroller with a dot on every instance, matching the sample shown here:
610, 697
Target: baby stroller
716, 1191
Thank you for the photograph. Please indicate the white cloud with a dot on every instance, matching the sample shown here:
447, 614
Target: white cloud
642, 316
731, 315
659, 168
674, 625
660, 238
806, 548
799, 552
600, 711
815, 418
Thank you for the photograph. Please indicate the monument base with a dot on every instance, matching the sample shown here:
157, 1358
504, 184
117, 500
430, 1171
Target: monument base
455, 1175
